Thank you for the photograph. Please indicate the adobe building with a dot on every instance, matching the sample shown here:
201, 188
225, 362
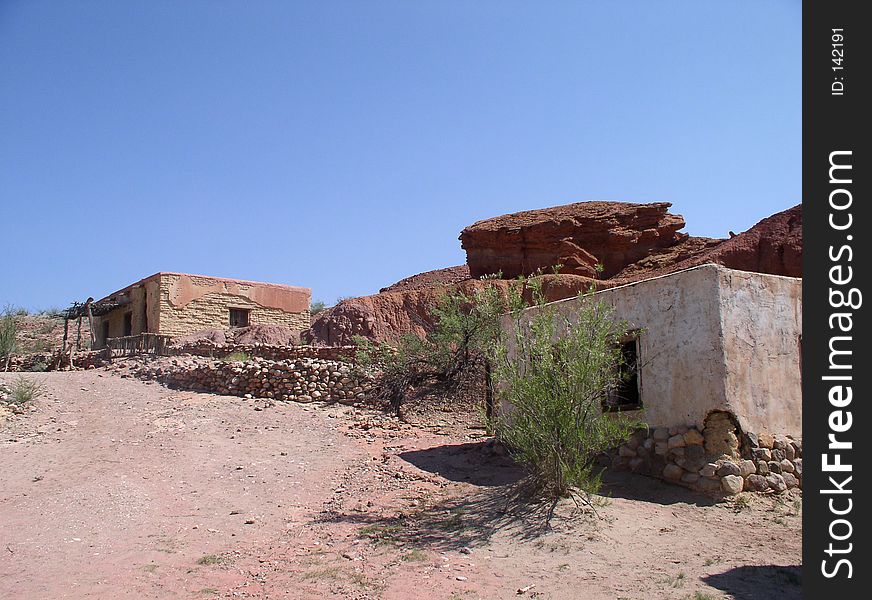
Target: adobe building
714, 371
178, 304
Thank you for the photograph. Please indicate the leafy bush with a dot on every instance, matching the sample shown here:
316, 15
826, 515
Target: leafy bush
561, 367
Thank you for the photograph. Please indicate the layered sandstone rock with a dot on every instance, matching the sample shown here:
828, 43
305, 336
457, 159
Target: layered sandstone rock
577, 236
632, 241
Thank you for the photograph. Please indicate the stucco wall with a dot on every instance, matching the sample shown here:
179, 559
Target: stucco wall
761, 323
714, 339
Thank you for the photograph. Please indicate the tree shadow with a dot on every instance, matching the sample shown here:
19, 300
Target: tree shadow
468, 522
759, 582
474, 462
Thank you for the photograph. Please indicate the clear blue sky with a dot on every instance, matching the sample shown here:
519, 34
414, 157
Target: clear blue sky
344, 145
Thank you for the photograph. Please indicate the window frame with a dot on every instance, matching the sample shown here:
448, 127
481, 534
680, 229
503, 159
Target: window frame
609, 403
239, 310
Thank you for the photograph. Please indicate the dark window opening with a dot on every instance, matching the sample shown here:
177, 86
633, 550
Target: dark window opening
128, 324
239, 317
626, 395
105, 331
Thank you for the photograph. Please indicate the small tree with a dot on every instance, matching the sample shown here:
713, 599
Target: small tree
316, 307
559, 370
456, 353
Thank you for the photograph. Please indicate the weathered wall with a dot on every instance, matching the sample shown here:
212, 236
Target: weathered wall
179, 304
143, 307
761, 324
714, 339
190, 303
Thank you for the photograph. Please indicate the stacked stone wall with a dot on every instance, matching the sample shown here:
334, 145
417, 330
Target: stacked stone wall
718, 460
299, 380
265, 351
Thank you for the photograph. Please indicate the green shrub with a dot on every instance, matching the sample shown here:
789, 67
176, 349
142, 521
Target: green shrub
8, 337
237, 356
562, 366
25, 390
316, 307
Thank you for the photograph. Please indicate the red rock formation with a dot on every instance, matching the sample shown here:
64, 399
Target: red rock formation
578, 236
429, 279
388, 316
774, 245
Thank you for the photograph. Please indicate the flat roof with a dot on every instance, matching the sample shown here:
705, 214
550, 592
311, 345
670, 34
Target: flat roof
226, 279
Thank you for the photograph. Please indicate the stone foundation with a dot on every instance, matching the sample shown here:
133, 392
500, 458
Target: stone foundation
718, 460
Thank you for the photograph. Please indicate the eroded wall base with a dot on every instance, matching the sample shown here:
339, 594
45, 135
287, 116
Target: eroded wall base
719, 459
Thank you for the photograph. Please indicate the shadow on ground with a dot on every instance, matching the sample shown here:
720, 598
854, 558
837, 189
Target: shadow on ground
746, 583
631, 486
503, 502
474, 463
469, 521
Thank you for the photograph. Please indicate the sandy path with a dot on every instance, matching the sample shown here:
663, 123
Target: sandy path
114, 488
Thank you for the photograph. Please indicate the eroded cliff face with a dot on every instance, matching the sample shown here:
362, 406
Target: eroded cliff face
631, 241
577, 236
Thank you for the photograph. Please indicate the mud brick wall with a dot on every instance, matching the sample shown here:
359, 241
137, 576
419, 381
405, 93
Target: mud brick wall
718, 460
212, 311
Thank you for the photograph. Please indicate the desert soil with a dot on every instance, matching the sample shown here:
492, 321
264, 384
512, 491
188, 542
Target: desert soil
115, 488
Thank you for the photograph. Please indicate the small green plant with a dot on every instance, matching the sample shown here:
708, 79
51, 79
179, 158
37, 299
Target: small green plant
701, 596
675, 581
381, 533
25, 390
415, 555
323, 573
210, 559
237, 357
37, 347
740, 503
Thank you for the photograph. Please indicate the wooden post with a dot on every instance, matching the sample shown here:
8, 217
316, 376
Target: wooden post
79, 333
91, 322
66, 329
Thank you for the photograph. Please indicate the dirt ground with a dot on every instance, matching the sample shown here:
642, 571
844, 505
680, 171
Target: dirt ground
115, 488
